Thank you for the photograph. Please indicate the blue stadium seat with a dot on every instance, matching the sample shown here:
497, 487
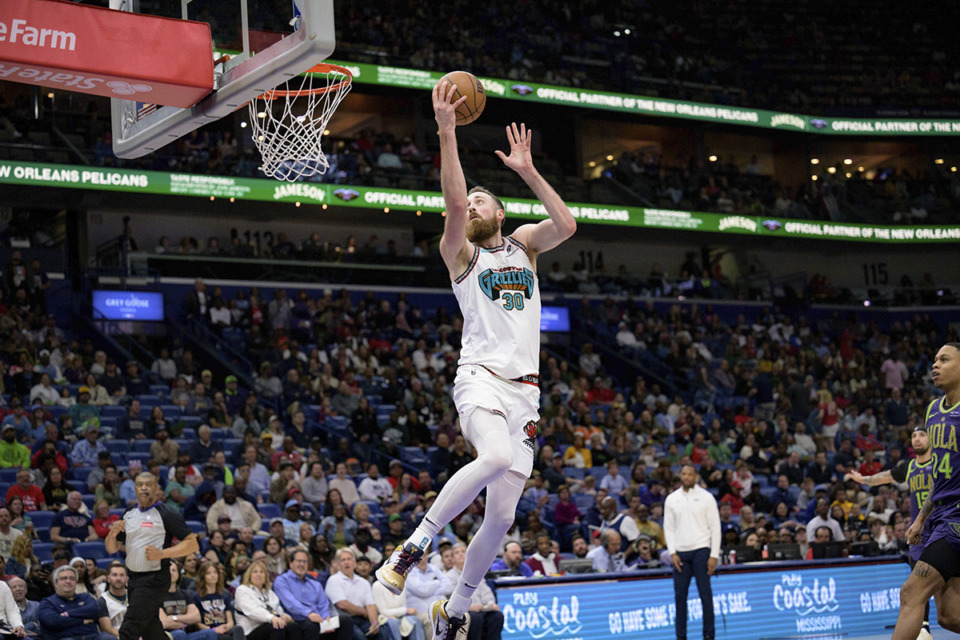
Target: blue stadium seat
197, 527
573, 472
89, 499
112, 411
191, 422
9, 475
183, 443
583, 502
142, 446
149, 398
108, 423
104, 563
117, 511
43, 551
229, 444
142, 456
171, 411
116, 446
79, 473
258, 542
188, 433
95, 549
413, 456
159, 389
268, 510
42, 519
375, 508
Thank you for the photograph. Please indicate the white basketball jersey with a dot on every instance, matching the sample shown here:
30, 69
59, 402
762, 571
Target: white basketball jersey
500, 300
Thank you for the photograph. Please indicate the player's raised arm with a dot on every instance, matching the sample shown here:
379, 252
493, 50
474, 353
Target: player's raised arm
453, 244
546, 234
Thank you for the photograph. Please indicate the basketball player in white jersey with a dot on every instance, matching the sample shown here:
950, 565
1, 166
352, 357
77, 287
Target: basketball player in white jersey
496, 389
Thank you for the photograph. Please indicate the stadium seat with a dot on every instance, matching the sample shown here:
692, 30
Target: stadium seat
142, 446
575, 473
197, 527
159, 390
188, 433
119, 511
149, 399
9, 475
89, 499
413, 456
112, 411
229, 444
104, 563
142, 456
116, 445
191, 422
95, 549
375, 508
583, 502
268, 510
171, 411
43, 551
42, 519
79, 473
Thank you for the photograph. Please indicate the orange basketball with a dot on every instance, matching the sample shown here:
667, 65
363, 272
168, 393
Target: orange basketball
467, 85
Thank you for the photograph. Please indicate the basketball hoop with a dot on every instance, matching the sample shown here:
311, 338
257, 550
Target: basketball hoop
288, 122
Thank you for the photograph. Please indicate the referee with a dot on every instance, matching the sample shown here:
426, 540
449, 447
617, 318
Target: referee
148, 530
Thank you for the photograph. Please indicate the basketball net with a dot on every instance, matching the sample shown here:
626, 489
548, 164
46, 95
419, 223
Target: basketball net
289, 122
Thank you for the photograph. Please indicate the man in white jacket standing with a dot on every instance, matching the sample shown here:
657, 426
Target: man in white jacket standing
691, 525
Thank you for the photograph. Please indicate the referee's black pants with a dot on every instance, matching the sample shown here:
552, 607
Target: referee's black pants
145, 593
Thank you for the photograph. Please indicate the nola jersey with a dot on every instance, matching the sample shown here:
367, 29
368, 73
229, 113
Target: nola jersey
500, 300
919, 479
943, 429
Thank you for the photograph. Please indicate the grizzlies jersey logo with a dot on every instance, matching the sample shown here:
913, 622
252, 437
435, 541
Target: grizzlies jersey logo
530, 430
511, 284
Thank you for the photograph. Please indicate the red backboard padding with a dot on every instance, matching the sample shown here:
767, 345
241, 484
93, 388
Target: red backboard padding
116, 54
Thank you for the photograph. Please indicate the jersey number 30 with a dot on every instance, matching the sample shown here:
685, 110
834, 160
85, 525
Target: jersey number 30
512, 301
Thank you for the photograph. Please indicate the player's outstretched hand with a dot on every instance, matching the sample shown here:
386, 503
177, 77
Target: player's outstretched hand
519, 159
444, 105
855, 476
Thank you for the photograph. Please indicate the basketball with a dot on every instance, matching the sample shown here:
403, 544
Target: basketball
467, 85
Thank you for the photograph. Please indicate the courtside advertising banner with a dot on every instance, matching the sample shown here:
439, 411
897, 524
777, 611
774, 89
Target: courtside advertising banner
799, 602
77, 47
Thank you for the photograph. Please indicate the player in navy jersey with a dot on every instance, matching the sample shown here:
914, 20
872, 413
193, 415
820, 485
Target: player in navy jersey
918, 474
939, 561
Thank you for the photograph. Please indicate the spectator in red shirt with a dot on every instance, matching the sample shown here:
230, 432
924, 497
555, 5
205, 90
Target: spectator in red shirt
867, 441
733, 498
30, 493
870, 466
601, 393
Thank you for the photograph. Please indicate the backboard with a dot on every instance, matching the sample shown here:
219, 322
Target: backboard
280, 39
